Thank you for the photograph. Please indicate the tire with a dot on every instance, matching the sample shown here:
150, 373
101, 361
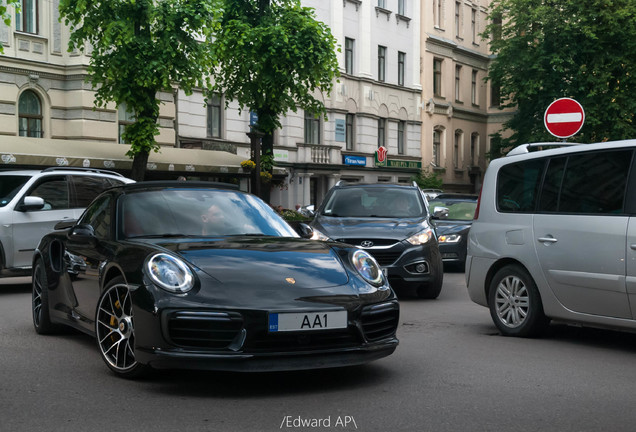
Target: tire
115, 330
432, 289
40, 301
515, 304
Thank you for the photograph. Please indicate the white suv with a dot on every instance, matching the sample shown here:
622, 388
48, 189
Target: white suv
554, 238
32, 202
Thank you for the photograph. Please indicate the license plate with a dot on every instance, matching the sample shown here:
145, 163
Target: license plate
307, 321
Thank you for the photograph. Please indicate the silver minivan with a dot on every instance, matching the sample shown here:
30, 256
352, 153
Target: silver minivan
554, 238
33, 201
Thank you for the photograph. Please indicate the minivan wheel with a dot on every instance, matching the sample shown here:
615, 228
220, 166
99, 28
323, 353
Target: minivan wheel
515, 303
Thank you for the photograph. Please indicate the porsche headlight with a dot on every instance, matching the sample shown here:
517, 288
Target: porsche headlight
170, 273
317, 235
450, 238
421, 237
368, 267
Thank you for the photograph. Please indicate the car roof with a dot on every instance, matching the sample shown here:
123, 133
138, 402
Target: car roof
64, 170
343, 184
176, 184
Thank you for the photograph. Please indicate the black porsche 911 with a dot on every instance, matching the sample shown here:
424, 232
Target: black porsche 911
204, 276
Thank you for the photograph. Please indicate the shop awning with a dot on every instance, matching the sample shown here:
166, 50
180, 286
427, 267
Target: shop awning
22, 151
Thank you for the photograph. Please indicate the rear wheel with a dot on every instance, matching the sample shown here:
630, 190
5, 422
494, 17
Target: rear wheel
115, 330
40, 301
515, 303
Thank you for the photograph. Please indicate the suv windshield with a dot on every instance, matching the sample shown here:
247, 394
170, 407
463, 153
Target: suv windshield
373, 201
9, 186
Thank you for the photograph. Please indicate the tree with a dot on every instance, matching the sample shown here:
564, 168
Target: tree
272, 56
547, 49
138, 48
428, 180
5, 15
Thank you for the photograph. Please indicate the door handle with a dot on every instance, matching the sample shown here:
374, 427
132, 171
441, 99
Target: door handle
632, 246
549, 240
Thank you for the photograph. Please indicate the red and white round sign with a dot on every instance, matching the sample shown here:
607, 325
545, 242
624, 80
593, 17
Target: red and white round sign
564, 117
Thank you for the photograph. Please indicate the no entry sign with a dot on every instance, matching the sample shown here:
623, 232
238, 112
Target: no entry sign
564, 117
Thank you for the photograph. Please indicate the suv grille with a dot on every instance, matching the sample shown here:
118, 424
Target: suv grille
203, 329
384, 258
380, 321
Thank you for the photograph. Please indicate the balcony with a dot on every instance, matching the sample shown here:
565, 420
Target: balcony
318, 154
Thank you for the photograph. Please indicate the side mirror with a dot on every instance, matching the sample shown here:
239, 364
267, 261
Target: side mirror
83, 235
31, 203
305, 230
440, 213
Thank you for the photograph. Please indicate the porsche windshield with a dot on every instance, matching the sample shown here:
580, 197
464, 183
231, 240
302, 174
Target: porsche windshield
381, 202
198, 212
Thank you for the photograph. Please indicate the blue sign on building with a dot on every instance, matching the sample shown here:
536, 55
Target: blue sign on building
253, 118
354, 160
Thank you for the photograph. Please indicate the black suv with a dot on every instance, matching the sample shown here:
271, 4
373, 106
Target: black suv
392, 223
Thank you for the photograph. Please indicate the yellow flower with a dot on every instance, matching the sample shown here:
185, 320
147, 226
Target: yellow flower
248, 164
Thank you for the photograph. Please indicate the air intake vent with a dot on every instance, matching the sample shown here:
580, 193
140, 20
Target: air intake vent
380, 321
214, 330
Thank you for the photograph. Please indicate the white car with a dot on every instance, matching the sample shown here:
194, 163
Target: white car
33, 201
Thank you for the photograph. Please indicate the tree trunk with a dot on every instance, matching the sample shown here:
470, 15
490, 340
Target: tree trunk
139, 166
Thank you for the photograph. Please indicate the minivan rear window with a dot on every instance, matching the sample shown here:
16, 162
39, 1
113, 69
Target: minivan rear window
10, 185
518, 186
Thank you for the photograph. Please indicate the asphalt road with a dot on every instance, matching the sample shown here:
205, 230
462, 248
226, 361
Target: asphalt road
451, 372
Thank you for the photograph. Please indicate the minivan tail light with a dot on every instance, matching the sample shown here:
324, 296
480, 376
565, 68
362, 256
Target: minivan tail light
476, 216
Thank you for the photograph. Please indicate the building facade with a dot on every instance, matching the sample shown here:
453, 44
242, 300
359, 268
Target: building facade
460, 110
411, 82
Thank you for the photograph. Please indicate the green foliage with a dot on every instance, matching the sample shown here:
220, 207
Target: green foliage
140, 47
272, 55
291, 215
5, 16
567, 48
428, 180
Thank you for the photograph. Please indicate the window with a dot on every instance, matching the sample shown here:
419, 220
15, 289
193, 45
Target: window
381, 132
474, 144
437, 144
54, 191
26, 20
458, 74
437, 77
473, 24
518, 186
99, 217
401, 138
350, 136
595, 183
312, 128
382, 3
349, 55
126, 117
401, 66
401, 7
30, 115
495, 94
456, 147
86, 188
458, 8
438, 8
473, 88
381, 63
215, 112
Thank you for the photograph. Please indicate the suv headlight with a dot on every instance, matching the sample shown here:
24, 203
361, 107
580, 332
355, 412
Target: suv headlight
317, 235
368, 267
421, 237
450, 238
170, 273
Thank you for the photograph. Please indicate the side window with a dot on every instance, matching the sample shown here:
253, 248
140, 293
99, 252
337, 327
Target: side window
518, 186
86, 188
54, 192
552, 185
595, 183
98, 215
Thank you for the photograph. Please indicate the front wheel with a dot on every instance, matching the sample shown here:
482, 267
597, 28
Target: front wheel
40, 301
433, 288
115, 330
515, 304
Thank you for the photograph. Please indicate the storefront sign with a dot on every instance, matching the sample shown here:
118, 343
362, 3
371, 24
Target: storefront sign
340, 130
354, 160
392, 163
